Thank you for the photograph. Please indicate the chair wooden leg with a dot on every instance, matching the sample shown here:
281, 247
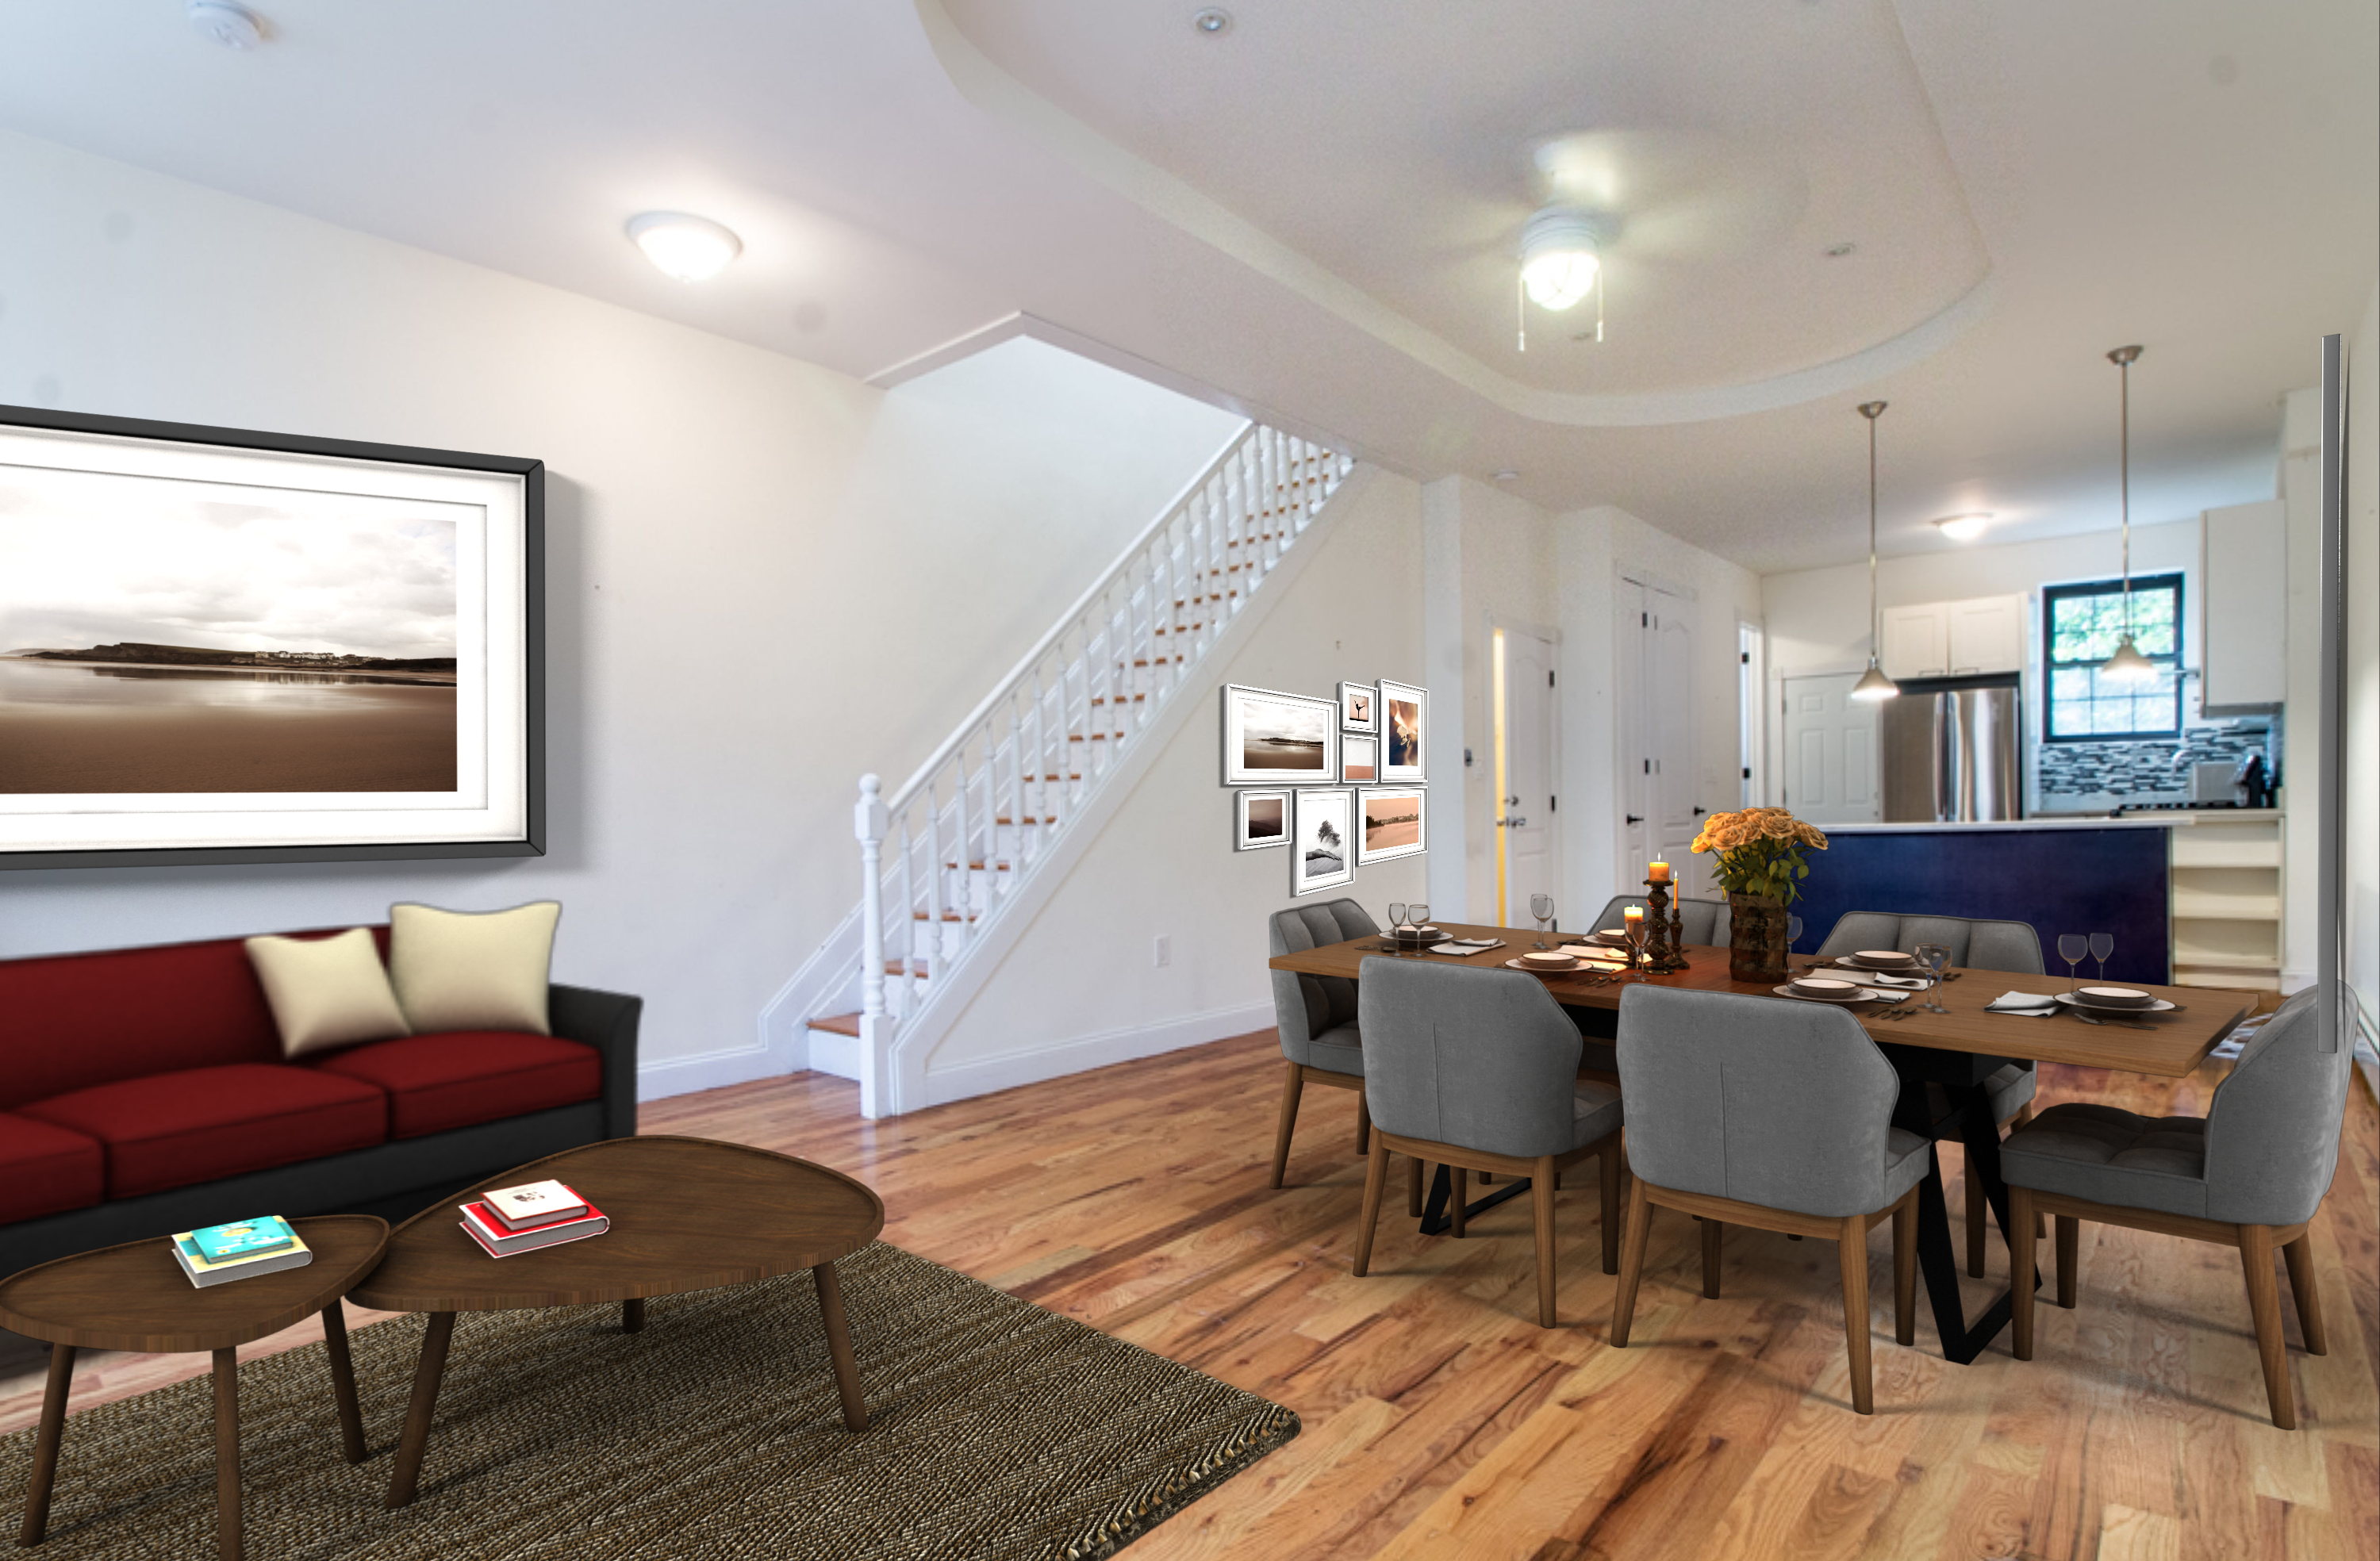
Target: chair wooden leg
1606, 1166
1711, 1231
1415, 1170
2024, 1115
2265, 1306
1292, 1085
1487, 1178
2070, 1257
1462, 1195
1852, 1242
2299, 1254
1376, 1182
1363, 1125
1541, 1191
1979, 1214
1904, 1268
1631, 1265
2021, 1259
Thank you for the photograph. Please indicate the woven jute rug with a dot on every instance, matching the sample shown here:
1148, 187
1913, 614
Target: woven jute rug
998, 1431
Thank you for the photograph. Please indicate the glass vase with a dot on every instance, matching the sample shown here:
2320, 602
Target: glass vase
1755, 943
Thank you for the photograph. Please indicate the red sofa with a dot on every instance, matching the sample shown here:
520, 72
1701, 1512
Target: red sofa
142, 1090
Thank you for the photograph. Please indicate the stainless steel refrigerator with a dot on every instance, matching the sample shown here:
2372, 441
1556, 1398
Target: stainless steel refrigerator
1954, 751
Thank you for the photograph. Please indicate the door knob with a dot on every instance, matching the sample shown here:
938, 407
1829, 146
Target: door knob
1634, 818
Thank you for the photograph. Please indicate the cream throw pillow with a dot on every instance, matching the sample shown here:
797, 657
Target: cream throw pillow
463, 970
326, 992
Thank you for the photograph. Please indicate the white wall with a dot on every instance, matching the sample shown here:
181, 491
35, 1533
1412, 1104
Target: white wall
764, 577
2363, 665
1081, 988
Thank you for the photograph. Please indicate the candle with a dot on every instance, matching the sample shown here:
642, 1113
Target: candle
1634, 914
1658, 872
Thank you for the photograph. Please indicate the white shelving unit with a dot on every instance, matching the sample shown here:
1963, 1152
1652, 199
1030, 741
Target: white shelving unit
2226, 900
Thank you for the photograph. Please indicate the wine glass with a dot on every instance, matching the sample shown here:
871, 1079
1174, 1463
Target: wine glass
1419, 914
1935, 958
1396, 920
2073, 947
1637, 933
1542, 907
2102, 945
1793, 933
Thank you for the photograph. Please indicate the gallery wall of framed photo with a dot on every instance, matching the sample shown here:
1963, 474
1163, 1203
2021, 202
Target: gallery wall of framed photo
1341, 783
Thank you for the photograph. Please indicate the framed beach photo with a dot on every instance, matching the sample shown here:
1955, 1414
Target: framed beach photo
1391, 823
1401, 757
1359, 759
1273, 739
1359, 707
1322, 852
222, 645
1259, 819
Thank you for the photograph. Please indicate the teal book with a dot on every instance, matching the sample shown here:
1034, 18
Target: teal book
247, 1238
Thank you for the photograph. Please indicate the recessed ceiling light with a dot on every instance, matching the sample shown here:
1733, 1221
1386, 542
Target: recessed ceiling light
1837, 251
688, 247
1964, 527
234, 27
1212, 21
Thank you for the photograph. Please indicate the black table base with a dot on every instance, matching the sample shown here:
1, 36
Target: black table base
1436, 1219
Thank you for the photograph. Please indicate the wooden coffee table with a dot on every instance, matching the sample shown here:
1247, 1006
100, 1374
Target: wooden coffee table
688, 1214
136, 1297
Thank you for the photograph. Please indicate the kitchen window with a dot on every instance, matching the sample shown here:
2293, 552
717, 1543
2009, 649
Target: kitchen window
2082, 626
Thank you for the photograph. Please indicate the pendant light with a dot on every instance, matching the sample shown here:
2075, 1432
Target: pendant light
2127, 665
1873, 684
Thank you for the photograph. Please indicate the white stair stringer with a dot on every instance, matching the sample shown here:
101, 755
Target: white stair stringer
957, 861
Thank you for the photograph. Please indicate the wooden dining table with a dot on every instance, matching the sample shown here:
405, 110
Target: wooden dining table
1957, 1049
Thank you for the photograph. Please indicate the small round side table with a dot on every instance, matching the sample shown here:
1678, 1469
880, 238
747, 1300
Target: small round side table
136, 1297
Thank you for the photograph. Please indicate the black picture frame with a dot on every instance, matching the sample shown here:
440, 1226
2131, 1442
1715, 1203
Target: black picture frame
515, 543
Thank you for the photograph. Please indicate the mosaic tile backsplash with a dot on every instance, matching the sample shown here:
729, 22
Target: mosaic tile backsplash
2157, 770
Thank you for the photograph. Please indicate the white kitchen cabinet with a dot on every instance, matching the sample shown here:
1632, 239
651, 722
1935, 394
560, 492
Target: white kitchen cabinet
2243, 612
1955, 638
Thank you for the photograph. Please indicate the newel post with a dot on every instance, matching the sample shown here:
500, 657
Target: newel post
867, 822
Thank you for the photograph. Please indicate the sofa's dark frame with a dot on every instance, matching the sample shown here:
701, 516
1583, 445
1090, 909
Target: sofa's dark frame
532, 476
396, 1181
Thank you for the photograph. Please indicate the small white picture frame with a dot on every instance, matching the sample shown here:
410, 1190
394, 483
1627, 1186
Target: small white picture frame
1359, 707
1259, 820
1359, 759
1322, 845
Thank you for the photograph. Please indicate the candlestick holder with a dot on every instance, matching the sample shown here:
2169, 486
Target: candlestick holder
1663, 930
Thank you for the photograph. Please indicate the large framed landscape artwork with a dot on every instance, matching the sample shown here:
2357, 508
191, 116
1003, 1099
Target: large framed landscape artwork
219, 646
1273, 739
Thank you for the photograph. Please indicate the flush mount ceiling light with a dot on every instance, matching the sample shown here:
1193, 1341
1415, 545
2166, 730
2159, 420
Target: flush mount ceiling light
1873, 684
1964, 527
1214, 20
1562, 263
220, 21
688, 247
2127, 665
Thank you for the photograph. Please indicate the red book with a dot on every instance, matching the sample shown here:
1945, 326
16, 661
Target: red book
482, 1227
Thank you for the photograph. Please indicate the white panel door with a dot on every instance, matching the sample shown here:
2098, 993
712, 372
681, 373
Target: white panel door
1634, 753
1669, 698
1531, 853
1831, 751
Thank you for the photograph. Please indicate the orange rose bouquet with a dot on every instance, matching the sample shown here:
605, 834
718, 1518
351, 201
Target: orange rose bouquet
1759, 851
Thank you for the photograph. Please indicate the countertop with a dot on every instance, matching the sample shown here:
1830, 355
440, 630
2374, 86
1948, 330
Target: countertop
2181, 819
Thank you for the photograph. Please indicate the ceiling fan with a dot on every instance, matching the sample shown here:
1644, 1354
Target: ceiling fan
1659, 195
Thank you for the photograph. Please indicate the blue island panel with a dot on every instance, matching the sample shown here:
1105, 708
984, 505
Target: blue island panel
2060, 880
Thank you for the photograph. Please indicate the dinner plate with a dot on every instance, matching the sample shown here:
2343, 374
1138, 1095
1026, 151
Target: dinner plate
2160, 1006
1853, 961
1824, 986
1859, 994
1419, 935
1544, 969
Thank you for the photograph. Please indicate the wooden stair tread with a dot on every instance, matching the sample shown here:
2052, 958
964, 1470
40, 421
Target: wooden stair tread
838, 1024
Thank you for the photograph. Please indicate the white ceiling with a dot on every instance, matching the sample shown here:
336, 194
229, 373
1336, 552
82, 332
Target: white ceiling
1314, 214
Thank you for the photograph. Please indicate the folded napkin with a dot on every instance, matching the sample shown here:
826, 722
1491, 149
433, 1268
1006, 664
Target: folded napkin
1884, 996
2022, 1002
1910, 983
1466, 946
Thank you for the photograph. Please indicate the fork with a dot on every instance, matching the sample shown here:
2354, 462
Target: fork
2115, 1024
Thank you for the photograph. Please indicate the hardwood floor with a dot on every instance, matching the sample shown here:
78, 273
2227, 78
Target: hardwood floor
1440, 1420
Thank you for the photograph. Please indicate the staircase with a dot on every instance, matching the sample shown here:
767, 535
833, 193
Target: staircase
960, 842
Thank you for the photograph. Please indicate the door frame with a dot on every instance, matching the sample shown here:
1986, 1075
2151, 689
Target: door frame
1499, 625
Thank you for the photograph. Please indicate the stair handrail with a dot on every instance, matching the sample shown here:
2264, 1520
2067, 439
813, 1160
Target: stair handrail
1068, 619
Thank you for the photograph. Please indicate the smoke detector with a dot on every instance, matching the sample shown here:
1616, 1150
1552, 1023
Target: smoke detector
220, 21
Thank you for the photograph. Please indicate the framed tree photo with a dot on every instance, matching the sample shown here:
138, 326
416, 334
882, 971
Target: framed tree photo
1402, 708
1322, 852
1392, 824
1259, 819
1359, 707
1273, 739
224, 645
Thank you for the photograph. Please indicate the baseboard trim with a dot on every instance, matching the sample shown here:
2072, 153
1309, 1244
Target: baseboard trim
714, 1069
990, 1075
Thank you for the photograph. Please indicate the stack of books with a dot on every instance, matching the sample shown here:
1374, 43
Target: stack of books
520, 1219
241, 1250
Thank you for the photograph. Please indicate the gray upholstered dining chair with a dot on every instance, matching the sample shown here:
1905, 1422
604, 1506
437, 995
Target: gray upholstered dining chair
1750, 1110
1477, 1069
2250, 1174
1703, 922
1316, 1014
1975, 945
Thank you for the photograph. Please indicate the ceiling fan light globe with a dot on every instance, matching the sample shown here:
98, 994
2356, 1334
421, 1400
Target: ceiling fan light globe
1558, 279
